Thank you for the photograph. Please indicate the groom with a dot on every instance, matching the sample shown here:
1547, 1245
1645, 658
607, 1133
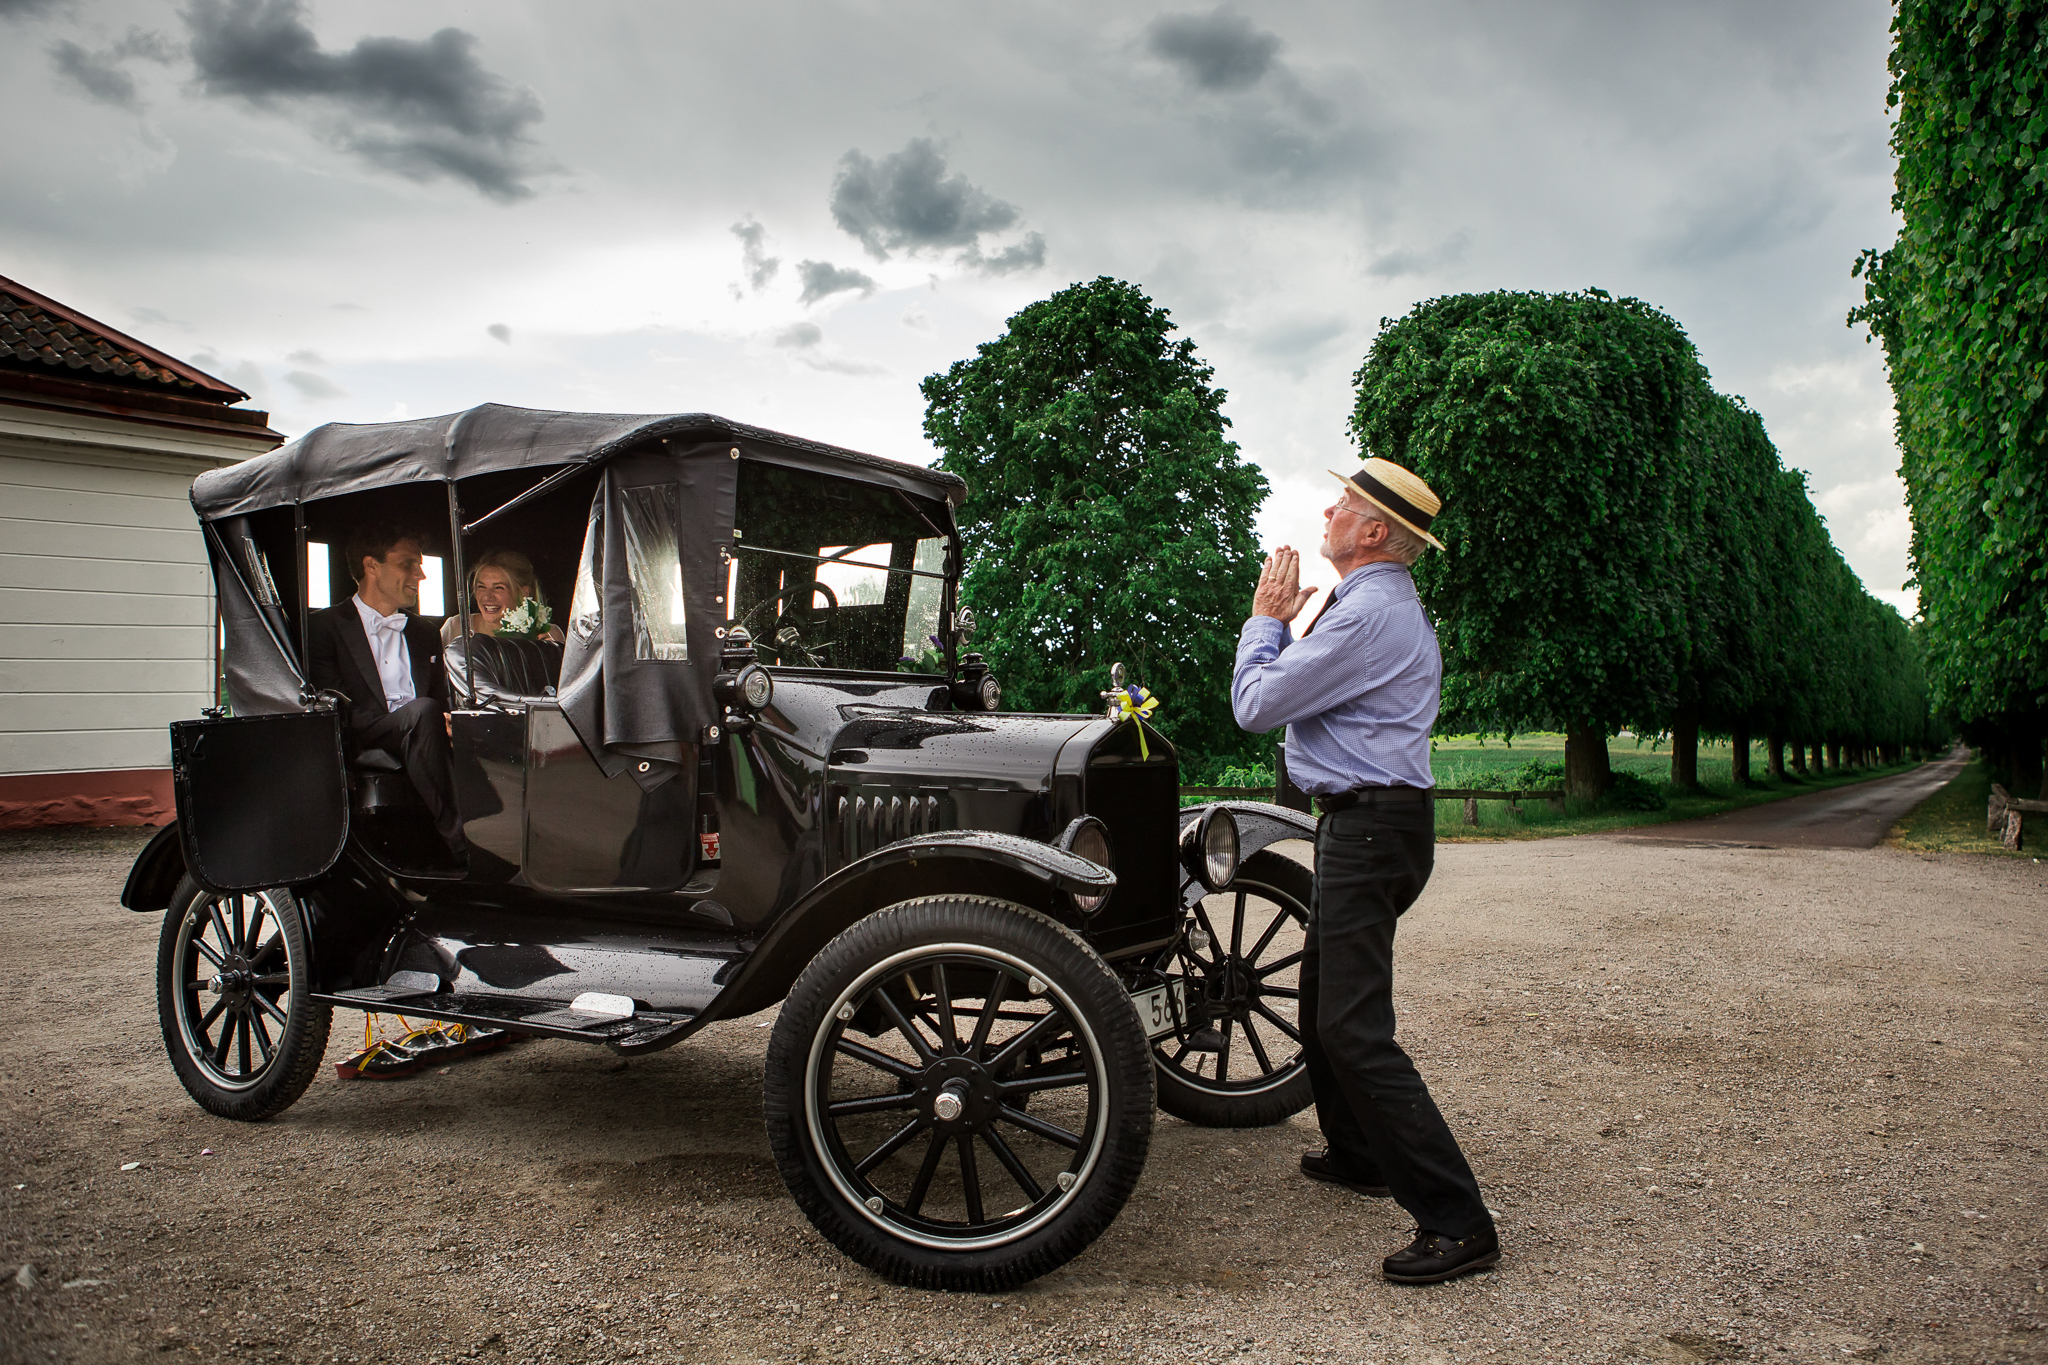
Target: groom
376, 651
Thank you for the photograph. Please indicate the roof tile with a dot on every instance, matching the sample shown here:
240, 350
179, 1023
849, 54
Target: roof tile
37, 332
32, 335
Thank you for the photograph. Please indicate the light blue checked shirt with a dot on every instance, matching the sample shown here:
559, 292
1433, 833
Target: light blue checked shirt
1358, 694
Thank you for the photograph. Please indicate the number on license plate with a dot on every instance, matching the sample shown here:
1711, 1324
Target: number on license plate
1162, 1008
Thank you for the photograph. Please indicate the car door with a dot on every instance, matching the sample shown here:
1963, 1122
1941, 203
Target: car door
262, 800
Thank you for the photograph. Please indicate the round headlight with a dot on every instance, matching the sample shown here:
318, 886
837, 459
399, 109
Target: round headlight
757, 688
1219, 848
991, 693
1088, 838
1209, 849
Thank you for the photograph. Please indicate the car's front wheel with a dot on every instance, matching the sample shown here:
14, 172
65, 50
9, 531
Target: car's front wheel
1236, 1059
233, 995
959, 1094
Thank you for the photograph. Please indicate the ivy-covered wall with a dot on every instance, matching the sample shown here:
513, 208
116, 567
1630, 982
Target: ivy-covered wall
1960, 302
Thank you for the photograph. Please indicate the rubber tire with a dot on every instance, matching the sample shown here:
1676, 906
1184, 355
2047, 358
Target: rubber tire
1263, 1109
299, 1050
1061, 957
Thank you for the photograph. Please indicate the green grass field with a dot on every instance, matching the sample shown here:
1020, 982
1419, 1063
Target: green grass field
1464, 763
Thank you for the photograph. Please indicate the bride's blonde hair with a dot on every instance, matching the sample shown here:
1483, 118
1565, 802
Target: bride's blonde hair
517, 567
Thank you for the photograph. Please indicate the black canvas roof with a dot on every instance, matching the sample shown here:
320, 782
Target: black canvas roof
350, 457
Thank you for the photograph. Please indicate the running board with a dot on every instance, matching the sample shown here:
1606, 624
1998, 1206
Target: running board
644, 1031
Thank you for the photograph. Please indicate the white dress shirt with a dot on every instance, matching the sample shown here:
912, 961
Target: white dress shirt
387, 647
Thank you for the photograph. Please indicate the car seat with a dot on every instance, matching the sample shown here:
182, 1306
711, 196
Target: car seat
504, 669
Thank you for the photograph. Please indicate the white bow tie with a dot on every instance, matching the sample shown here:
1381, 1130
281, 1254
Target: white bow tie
390, 625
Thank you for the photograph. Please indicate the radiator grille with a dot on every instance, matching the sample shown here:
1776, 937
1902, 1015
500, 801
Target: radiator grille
1140, 803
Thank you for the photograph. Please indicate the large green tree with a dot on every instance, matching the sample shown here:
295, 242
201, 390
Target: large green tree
1960, 302
1109, 519
1552, 426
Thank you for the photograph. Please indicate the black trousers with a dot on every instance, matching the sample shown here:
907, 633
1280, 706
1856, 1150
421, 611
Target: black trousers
417, 733
1372, 861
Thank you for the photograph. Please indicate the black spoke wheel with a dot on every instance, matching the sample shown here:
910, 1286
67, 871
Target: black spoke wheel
959, 1094
1236, 1060
233, 996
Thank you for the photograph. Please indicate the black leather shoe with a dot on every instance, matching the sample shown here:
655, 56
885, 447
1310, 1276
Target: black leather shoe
1318, 1166
1432, 1257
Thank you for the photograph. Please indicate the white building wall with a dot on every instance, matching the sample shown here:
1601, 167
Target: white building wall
106, 608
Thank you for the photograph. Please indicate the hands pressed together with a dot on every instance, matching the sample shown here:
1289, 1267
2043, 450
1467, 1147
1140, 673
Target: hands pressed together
1280, 594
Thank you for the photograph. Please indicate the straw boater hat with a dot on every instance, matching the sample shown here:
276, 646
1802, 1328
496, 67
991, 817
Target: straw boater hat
1398, 493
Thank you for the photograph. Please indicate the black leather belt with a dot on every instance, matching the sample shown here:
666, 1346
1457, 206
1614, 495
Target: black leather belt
1371, 796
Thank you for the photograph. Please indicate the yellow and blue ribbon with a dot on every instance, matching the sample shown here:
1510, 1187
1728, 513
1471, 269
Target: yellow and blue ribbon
1138, 704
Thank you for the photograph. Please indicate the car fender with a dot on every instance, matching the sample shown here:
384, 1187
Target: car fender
154, 878
955, 862
1259, 823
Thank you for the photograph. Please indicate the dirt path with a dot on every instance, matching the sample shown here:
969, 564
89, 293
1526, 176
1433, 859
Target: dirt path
1857, 816
1731, 1104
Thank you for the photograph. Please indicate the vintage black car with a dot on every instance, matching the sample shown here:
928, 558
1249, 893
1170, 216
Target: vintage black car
760, 770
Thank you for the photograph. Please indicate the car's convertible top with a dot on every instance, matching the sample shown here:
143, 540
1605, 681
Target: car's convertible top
344, 457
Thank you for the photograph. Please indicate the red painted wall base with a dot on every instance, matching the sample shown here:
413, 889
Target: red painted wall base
134, 796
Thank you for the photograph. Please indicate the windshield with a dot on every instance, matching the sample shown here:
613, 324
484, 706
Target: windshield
830, 573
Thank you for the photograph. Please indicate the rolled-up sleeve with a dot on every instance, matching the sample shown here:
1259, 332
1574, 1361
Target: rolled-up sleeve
1280, 680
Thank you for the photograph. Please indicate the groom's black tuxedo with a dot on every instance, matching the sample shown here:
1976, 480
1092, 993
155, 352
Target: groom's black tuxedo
338, 658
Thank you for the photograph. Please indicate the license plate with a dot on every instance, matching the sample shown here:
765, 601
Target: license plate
1162, 1008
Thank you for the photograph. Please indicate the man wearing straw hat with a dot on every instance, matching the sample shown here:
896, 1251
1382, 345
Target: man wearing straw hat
1358, 693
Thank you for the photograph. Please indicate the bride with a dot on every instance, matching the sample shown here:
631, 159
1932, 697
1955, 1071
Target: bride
501, 580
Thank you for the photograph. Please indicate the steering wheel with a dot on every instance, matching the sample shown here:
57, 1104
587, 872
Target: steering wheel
790, 615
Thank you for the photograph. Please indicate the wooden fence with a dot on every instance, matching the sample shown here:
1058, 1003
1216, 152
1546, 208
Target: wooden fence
2006, 818
1471, 796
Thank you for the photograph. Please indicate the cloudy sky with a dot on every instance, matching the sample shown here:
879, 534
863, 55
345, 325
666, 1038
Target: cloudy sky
789, 214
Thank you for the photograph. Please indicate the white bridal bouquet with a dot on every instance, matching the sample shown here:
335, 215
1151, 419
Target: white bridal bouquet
527, 621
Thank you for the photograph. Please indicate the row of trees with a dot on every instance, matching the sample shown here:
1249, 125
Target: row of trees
1624, 547
1960, 302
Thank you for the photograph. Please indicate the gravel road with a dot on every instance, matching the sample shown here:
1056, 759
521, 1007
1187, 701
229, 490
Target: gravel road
1856, 816
1731, 1104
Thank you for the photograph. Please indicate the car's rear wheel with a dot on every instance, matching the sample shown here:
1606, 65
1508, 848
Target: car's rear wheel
1236, 1060
234, 999
959, 1094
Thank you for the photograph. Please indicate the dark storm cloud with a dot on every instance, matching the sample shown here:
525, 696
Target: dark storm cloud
822, 278
424, 109
907, 201
754, 258
25, 9
1028, 254
1217, 51
100, 74
95, 73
